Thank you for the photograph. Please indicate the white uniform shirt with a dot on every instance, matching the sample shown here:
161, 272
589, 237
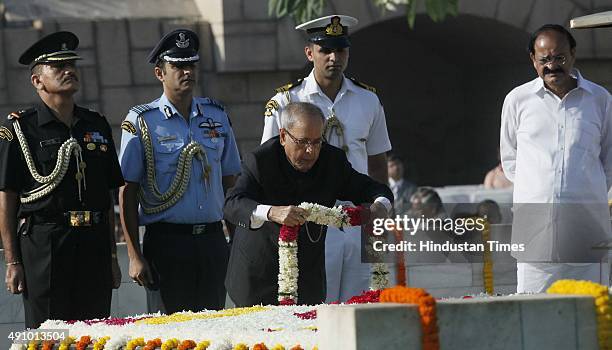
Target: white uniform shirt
358, 109
558, 152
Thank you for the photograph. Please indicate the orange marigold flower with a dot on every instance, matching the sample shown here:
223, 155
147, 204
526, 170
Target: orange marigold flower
297, 347
260, 346
426, 306
187, 344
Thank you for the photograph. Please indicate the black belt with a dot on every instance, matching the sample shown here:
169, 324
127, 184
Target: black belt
74, 218
185, 229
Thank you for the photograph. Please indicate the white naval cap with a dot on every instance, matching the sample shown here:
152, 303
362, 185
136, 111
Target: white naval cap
329, 31
596, 20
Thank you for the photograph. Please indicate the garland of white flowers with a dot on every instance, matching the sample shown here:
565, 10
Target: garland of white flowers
287, 249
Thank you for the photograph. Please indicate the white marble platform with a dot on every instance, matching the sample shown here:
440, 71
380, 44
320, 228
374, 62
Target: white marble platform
542, 322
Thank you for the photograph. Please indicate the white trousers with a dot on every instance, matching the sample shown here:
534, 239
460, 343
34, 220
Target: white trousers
347, 276
537, 277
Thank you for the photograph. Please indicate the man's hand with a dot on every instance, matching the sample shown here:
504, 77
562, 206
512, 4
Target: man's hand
378, 211
15, 279
288, 215
116, 271
140, 272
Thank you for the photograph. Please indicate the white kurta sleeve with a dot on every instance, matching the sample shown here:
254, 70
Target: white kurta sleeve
606, 142
507, 137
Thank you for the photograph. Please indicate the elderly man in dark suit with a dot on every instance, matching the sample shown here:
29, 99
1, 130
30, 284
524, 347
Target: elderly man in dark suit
296, 166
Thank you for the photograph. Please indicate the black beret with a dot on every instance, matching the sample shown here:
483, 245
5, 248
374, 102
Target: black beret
180, 45
58, 46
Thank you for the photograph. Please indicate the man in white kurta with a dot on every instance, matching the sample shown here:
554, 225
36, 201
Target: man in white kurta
355, 123
556, 147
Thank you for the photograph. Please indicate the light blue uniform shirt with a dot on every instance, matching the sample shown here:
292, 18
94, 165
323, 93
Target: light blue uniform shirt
170, 133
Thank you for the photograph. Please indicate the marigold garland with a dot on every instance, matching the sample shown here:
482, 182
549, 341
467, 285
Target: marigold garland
33, 345
132, 344
83, 342
100, 343
401, 263
487, 267
152, 344
47, 345
187, 344
170, 344
602, 301
203, 345
65, 344
427, 309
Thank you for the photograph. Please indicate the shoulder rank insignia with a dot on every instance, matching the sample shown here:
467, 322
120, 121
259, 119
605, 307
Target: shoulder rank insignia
289, 86
212, 101
129, 127
21, 113
140, 109
6, 134
271, 106
362, 85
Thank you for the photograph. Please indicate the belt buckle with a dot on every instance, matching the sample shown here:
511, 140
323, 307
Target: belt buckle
80, 218
198, 229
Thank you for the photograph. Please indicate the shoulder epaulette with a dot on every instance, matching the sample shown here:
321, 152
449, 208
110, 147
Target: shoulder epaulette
289, 86
212, 101
21, 113
362, 85
140, 109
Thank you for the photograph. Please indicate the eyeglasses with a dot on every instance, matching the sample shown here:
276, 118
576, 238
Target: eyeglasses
560, 59
305, 143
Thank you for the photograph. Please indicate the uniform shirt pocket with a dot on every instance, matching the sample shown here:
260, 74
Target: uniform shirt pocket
167, 151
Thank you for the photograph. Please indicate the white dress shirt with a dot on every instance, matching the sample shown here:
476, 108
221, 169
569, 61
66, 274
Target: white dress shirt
558, 153
558, 150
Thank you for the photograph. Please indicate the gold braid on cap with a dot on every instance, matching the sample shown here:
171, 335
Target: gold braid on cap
50, 182
179, 183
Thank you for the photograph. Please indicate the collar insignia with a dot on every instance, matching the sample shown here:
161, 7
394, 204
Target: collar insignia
168, 111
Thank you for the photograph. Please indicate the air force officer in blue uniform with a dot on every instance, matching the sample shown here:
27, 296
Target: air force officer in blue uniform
178, 155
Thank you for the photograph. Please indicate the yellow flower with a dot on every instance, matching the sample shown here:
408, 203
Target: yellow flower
132, 344
601, 301
170, 344
278, 347
241, 346
203, 345
188, 316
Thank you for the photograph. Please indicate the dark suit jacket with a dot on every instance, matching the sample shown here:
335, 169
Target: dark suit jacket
268, 178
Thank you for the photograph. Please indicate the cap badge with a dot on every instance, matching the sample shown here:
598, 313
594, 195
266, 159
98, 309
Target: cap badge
64, 47
182, 43
335, 28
